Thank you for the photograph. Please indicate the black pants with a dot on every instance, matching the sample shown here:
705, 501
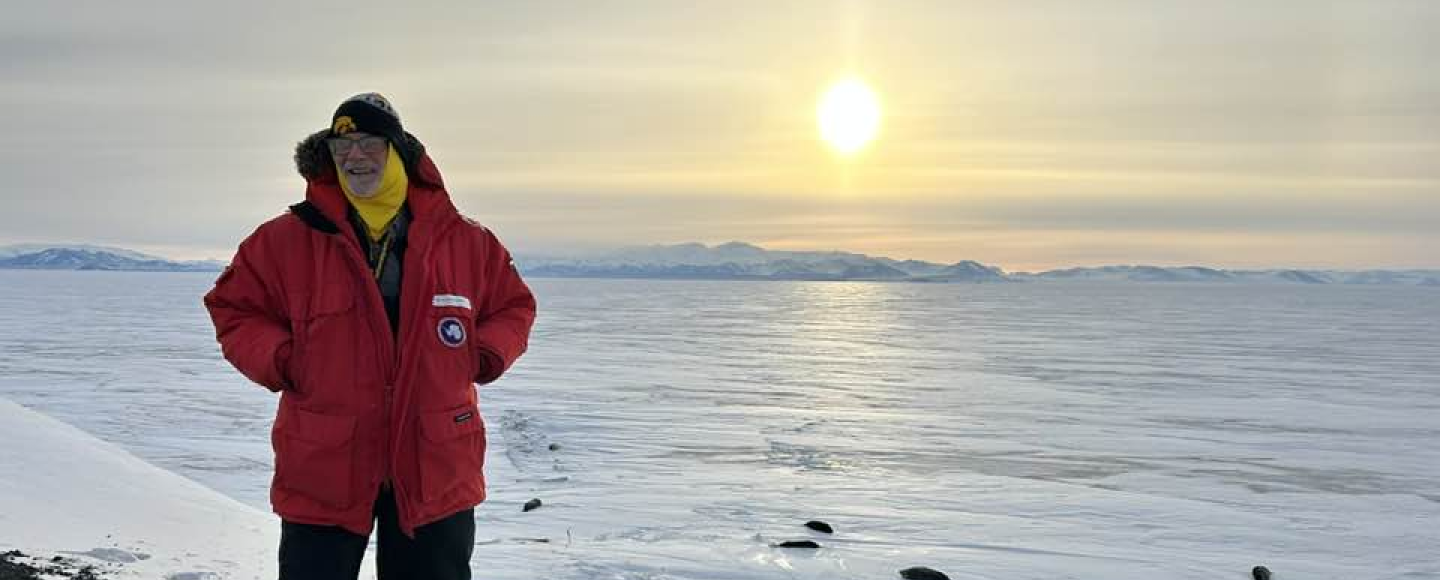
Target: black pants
440, 551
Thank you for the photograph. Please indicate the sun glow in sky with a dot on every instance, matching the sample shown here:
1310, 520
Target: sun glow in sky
848, 116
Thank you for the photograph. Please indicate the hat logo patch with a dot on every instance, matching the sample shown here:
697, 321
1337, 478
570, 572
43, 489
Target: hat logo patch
343, 124
451, 332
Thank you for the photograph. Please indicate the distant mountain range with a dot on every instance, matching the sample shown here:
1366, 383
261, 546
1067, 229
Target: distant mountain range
741, 261
86, 257
1199, 274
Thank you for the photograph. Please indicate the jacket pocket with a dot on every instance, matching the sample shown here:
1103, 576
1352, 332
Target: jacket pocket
452, 452
314, 455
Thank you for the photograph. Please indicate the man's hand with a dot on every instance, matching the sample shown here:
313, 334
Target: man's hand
488, 365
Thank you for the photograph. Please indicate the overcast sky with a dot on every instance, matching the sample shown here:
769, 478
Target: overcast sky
1021, 134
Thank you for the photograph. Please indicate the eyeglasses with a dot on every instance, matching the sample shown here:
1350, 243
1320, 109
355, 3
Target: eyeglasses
341, 147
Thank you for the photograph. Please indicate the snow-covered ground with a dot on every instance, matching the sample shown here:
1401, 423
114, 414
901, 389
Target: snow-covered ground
65, 493
1012, 431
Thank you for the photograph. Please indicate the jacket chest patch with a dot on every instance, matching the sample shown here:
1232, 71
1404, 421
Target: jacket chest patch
452, 300
451, 331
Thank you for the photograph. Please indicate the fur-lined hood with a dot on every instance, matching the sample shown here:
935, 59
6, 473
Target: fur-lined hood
313, 161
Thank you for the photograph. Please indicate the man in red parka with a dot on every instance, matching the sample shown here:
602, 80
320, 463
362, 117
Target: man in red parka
373, 308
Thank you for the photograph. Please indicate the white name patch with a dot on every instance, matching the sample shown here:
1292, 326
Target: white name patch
451, 300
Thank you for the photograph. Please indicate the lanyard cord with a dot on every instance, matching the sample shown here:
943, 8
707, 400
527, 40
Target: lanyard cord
384, 252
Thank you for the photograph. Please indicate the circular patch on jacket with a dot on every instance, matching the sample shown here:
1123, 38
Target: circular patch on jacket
451, 331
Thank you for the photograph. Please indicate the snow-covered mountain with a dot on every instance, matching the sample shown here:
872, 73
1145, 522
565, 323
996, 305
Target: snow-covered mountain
1202, 274
14, 250
742, 261
95, 258
1135, 274
967, 271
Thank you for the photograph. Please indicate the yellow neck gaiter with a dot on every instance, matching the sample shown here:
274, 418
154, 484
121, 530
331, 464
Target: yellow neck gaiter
377, 210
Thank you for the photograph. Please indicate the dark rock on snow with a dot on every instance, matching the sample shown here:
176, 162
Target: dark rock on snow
820, 526
532, 504
922, 573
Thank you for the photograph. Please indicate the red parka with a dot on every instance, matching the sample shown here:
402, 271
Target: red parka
299, 312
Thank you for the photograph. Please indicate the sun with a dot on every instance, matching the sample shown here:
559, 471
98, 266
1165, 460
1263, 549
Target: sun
848, 116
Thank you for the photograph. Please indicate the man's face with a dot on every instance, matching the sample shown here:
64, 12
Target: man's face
361, 158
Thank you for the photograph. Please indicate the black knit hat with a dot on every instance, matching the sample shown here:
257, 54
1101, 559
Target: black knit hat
371, 113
